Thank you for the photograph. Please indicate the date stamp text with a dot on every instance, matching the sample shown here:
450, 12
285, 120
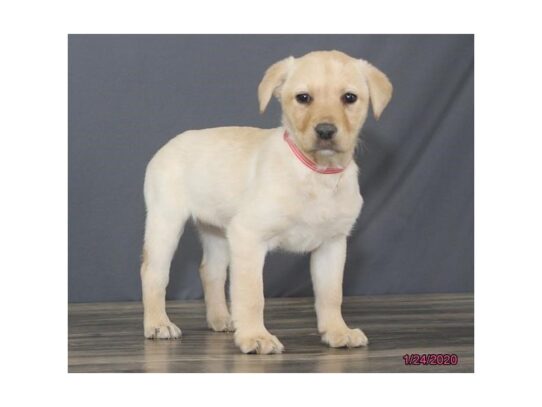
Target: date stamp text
439, 359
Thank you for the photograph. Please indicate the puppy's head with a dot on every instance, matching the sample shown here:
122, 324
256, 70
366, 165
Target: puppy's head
325, 97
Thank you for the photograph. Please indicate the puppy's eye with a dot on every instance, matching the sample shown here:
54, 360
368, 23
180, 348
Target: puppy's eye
303, 98
349, 98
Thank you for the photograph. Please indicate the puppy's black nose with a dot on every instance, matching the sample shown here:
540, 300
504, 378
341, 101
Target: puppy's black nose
325, 131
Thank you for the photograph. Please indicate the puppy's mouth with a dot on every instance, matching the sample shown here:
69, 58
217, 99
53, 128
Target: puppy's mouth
325, 147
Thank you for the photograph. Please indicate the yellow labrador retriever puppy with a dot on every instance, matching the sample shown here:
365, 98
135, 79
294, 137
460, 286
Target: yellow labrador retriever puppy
252, 190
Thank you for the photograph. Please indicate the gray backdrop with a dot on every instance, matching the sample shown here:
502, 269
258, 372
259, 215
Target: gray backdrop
129, 94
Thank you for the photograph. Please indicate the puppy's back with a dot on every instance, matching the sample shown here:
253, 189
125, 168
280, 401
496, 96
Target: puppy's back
210, 169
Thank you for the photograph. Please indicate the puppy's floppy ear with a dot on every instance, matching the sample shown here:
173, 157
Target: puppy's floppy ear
272, 80
380, 87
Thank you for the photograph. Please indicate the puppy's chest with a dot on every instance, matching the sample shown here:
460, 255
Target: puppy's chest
319, 215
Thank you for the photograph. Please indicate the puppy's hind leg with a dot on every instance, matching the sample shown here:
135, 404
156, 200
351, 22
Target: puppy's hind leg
161, 239
164, 226
213, 273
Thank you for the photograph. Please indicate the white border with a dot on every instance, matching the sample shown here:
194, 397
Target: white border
508, 199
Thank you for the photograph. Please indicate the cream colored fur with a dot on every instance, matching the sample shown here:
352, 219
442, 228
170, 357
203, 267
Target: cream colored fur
248, 194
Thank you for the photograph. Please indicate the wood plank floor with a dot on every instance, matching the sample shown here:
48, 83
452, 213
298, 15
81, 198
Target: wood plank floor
108, 337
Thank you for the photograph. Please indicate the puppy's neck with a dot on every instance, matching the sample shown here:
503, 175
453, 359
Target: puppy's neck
329, 158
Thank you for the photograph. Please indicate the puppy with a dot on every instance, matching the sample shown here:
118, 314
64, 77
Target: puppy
252, 190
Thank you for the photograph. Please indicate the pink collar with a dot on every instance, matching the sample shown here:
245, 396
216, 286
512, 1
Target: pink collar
307, 161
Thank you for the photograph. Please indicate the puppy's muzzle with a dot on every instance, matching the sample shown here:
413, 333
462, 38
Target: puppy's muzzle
325, 131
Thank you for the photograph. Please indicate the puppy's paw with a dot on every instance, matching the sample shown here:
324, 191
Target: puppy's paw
221, 323
346, 337
162, 331
258, 342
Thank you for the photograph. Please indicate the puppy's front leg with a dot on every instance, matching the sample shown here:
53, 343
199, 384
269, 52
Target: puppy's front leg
327, 266
247, 298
